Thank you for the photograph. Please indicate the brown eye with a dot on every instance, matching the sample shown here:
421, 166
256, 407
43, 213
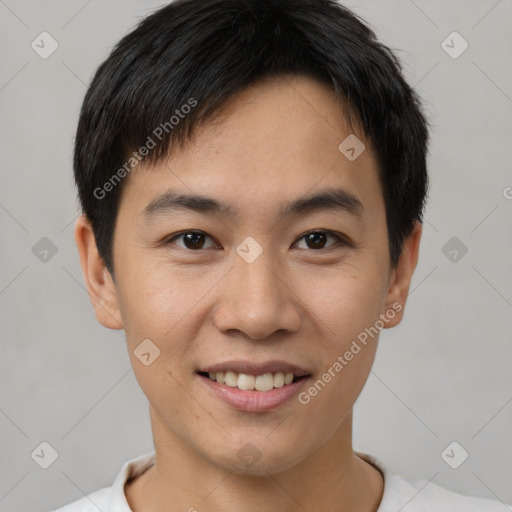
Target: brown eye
317, 240
192, 240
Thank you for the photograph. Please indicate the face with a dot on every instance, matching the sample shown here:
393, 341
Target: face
280, 271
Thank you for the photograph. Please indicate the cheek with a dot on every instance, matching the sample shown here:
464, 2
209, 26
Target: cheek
155, 307
335, 390
165, 304
155, 295
348, 303
348, 311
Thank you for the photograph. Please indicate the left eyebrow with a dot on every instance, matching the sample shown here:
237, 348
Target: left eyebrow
328, 199
171, 201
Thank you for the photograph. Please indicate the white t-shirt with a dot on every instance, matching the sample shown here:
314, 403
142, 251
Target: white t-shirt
400, 493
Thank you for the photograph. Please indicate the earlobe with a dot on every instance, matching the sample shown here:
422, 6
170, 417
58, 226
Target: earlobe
401, 276
101, 288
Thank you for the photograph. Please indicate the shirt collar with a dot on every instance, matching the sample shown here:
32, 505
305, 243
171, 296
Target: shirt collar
130, 469
136, 466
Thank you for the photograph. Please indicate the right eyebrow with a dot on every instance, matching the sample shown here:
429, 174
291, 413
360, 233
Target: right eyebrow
328, 199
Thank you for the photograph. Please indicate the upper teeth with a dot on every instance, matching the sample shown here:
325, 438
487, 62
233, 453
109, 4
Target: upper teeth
264, 382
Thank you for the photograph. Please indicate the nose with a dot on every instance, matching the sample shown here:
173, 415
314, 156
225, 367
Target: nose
257, 299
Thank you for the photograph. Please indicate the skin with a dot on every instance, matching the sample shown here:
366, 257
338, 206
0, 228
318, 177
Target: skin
273, 142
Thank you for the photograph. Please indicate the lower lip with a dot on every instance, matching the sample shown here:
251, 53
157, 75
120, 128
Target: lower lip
252, 400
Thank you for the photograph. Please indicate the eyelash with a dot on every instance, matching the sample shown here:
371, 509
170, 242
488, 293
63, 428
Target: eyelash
342, 240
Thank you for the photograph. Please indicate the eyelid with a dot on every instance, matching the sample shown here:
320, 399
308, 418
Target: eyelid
169, 240
343, 240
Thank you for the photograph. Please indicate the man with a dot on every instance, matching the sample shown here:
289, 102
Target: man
253, 177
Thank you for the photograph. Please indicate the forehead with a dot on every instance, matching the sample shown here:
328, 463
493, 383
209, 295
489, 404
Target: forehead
281, 115
271, 143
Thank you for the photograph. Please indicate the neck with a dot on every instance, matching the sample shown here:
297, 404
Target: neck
331, 478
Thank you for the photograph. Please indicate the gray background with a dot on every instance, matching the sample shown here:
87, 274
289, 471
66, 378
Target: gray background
443, 375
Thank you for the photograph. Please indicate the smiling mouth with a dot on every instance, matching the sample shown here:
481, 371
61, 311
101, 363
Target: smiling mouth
260, 383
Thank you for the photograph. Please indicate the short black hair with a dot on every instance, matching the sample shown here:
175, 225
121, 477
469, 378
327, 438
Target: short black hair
180, 64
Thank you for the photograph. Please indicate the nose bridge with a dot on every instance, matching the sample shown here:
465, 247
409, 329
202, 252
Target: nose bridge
258, 286
259, 281
255, 298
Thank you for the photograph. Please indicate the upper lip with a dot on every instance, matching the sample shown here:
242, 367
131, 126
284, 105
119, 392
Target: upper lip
250, 368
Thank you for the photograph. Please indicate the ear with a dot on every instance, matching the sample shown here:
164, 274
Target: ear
100, 285
400, 278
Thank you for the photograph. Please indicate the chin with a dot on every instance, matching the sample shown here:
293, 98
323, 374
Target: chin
251, 461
